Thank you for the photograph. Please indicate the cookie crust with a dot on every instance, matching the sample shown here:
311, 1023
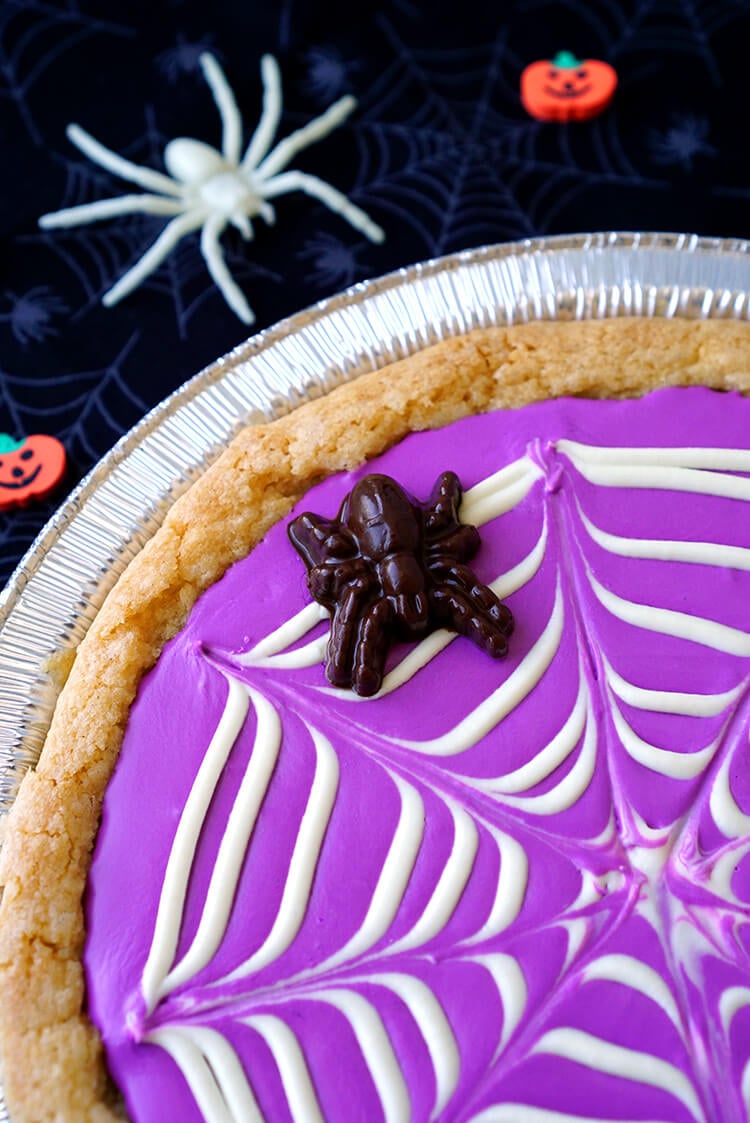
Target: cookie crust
52, 1059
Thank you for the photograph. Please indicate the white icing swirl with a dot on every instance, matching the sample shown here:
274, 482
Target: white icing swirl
556, 773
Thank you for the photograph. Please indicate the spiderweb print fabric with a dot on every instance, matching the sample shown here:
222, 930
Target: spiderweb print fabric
498, 891
440, 152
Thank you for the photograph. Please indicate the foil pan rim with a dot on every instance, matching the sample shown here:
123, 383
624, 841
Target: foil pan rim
354, 294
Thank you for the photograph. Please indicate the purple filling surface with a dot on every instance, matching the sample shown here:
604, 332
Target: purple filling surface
615, 986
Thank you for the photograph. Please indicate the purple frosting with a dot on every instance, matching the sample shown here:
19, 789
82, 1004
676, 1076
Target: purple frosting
543, 913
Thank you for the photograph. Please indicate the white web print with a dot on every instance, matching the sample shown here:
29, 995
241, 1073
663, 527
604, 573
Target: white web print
466, 167
103, 397
465, 170
475, 862
34, 35
684, 26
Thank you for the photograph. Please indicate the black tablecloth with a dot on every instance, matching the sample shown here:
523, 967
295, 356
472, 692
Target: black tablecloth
440, 152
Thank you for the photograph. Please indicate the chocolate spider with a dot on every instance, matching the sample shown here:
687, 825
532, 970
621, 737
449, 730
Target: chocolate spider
389, 567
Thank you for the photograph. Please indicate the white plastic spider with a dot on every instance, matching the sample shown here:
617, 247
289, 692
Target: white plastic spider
211, 189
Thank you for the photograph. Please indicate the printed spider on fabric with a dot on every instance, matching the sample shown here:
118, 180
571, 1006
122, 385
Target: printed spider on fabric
31, 313
684, 140
391, 568
210, 189
334, 263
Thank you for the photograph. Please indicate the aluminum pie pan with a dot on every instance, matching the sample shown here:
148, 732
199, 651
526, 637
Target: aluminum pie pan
62, 580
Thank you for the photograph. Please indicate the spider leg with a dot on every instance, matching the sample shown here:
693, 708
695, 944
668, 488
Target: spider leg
109, 208
326, 581
443, 503
311, 537
449, 574
321, 581
118, 165
270, 115
217, 267
344, 633
315, 130
470, 608
454, 609
444, 532
245, 226
153, 256
460, 544
267, 213
231, 121
333, 199
242, 223
371, 649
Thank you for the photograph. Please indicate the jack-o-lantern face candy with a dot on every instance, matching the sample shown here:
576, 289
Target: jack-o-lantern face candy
566, 88
29, 469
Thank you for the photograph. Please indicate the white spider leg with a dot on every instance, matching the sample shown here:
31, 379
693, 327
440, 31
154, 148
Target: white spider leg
288, 148
270, 116
110, 208
333, 199
231, 121
118, 165
154, 256
242, 223
217, 267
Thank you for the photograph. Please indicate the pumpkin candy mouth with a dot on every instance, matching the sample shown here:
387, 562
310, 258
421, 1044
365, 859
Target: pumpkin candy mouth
23, 481
576, 91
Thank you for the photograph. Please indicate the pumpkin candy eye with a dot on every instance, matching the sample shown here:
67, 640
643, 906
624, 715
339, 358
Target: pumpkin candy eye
553, 74
26, 454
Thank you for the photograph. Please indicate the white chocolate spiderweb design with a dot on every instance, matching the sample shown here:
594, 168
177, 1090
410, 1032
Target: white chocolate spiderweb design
514, 854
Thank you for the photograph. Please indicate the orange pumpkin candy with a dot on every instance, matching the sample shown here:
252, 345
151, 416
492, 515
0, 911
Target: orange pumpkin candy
29, 468
566, 88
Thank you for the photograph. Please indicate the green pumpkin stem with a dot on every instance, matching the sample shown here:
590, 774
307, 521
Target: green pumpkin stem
566, 60
7, 444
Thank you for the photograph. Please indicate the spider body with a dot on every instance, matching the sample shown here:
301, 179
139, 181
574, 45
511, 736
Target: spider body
210, 189
390, 568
